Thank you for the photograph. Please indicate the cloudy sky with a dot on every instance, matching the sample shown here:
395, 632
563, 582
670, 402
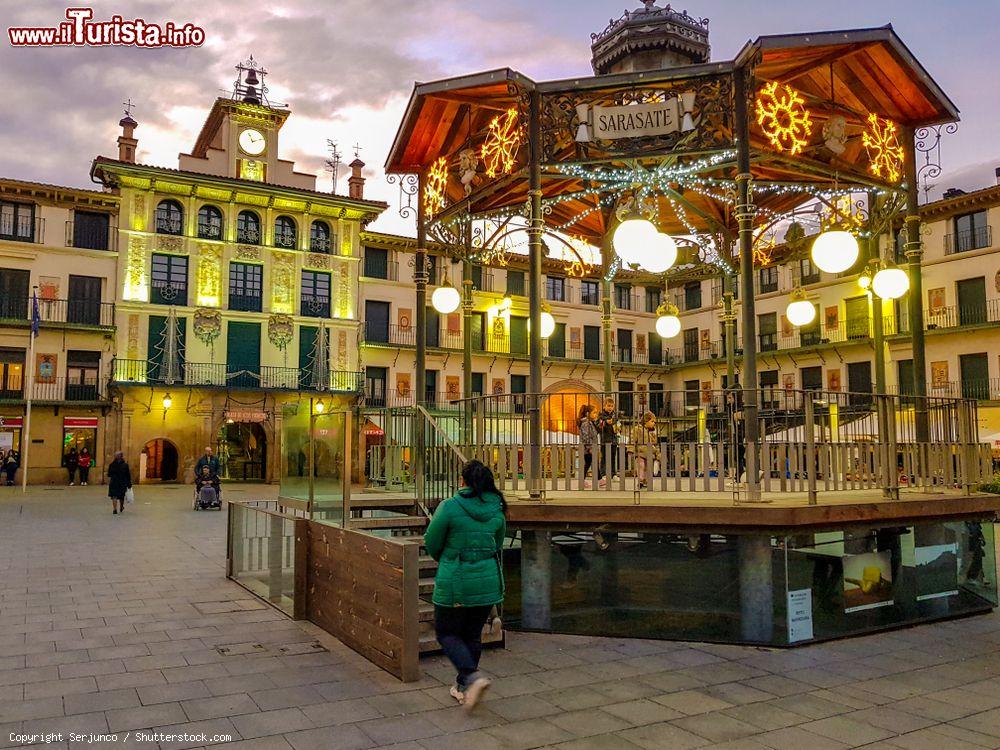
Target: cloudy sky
346, 68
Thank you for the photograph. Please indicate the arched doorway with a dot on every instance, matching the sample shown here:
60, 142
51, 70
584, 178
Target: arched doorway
158, 461
562, 404
242, 452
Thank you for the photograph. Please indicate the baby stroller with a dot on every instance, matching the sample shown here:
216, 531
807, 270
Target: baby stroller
207, 494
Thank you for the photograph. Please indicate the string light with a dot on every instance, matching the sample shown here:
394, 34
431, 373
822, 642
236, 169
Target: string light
885, 154
437, 184
783, 117
503, 138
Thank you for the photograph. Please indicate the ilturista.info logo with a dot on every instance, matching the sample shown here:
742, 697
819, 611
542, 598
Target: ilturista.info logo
81, 30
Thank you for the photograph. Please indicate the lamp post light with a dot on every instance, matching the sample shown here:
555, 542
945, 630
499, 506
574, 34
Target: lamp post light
668, 324
834, 251
800, 311
446, 298
167, 402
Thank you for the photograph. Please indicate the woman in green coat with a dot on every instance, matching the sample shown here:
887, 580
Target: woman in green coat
466, 536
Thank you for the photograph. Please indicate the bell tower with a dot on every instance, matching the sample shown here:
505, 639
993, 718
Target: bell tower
650, 38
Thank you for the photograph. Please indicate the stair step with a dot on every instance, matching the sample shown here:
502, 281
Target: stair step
379, 503
427, 563
426, 612
426, 586
398, 522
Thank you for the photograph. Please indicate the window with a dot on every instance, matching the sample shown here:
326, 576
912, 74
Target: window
246, 287
592, 342
432, 326
655, 348
971, 232
515, 283
590, 292
83, 303
284, 232
691, 345
17, 221
476, 272
14, 286
653, 297
430, 386
555, 288
859, 382
904, 377
624, 345
557, 341
169, 218
376, 263
169, 280
808, 273
315, 294
657, 404
478, 383
768, 279
626, 402
248, 228
91, 230
158, 343
11, 373
810, 335
769, 397
377, 322
692, 295
518, 335
209, 223
375, 385
812, 378
518, 385
691, 393
767, 327
319, 237
82, 370
623, 296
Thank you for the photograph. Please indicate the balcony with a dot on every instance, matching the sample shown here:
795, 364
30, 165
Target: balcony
81, 313
287, 240
22, 228
89, 236
60, 390
375, 268
943, 318
219, 375
209, 231
968, 239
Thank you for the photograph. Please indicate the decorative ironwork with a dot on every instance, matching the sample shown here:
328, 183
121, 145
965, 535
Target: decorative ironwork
783, 117
651, 13
927, 141
885, 154
503, 138
409, 186
436, 187
249, 85
711, 117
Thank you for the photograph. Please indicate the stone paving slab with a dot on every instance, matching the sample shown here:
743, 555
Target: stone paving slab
126, 624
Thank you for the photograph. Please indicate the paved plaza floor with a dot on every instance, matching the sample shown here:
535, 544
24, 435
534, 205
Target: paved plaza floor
126, 624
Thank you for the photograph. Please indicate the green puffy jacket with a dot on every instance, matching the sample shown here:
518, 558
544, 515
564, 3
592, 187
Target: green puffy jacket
465, 536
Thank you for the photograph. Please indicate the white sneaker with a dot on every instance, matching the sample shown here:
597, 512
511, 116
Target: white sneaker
71, 484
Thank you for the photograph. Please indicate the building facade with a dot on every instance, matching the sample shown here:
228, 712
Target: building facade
58, 244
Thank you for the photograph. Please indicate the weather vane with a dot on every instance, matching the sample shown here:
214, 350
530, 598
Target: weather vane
127, 104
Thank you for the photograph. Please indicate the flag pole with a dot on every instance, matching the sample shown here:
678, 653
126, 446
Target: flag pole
29, 385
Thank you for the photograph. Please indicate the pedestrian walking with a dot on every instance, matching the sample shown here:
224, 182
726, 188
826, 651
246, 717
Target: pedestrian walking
83, 461
11, 462
642, 442
71, 462
588, 439
119, 482
466, 536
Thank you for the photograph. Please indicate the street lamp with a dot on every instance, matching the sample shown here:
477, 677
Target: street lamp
446, 298
631, 238
548, 326
668, 324
658, 255
167, 401
891, 283
800, 311
319, 407
835, 251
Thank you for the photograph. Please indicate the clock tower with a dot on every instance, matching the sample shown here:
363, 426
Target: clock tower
241, 134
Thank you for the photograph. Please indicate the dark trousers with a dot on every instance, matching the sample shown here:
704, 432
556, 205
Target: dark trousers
611, 448
459, 631
71, 470
588, 459
84, 473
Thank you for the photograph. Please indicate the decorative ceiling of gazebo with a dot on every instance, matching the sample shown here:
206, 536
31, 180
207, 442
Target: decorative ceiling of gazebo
840, 78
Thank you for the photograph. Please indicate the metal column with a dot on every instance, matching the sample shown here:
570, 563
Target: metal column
535, 295
467, 333
914, 254
420, 319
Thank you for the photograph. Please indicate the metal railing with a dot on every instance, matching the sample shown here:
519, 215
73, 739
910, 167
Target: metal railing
77, 312
61, 389
90, 236
221, 375
968, 239
22, 229
376, 269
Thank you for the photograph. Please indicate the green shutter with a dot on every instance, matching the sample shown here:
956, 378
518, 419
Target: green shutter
307, 346
518, 335
243, 347
557, 341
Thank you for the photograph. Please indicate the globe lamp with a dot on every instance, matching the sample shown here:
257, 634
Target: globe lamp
800, 311
668, 324
446, 298
632, 237
891, 283
835, 251
659, 255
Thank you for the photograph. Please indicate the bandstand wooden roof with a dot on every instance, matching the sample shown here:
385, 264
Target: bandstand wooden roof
847, 73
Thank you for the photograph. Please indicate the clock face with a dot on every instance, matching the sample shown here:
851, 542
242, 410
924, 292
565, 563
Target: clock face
252, 142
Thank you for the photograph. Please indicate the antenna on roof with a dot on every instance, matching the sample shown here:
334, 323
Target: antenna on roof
333, 163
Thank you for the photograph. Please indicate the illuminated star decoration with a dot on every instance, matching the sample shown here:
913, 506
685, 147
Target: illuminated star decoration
783, 117
502, 140
763, 250
844, 215
884, 150
434, 190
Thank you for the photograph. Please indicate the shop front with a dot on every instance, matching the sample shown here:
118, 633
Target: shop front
10, 433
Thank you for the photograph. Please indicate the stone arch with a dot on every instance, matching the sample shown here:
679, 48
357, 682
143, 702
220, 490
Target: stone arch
562, 403
159, 461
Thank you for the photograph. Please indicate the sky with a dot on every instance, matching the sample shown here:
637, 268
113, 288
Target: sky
346, 69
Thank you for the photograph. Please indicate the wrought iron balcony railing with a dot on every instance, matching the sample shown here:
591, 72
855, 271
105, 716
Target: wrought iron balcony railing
968, 239
22, 228
59, 389
221, 375
90, 236
70, 312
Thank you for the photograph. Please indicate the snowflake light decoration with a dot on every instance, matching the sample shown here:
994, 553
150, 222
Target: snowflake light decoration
844, 214
434, 189
783, 117
503, 137
885, 153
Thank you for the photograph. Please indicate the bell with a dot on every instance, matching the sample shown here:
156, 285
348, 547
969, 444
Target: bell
252, 79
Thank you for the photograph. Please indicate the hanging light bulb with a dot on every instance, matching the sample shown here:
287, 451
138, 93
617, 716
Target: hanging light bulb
632, 237
659, 255
800, 311
548, 326
167, 401
835, 251
891, 283
668, 324
446, 298
319, 407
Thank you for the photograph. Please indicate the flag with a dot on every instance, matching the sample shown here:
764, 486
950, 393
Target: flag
36, 317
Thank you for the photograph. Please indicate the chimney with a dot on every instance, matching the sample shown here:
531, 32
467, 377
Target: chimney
953, 193
356, 183
996, 172
127, 141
